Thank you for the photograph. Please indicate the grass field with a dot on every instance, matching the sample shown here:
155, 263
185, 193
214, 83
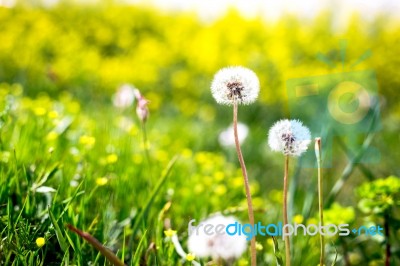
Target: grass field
70, 156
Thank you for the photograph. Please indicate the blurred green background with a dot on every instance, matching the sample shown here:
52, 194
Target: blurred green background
60, 67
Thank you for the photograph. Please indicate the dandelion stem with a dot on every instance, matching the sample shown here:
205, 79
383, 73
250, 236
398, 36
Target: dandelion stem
246, 183
145, 144
285, 216
320, 199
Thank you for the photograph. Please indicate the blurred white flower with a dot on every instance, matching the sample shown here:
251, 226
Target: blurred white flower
289, 137
44, 189
238, 84
217, 246
226, 138
124, 97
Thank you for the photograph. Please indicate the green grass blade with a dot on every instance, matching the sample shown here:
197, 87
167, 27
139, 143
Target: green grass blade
61, 240
154, 193
277, 253
136, 257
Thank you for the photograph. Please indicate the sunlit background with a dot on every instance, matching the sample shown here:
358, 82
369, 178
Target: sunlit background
68, 122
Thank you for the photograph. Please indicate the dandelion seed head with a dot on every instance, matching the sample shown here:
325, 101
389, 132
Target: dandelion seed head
217, 245
290, 137
237, 83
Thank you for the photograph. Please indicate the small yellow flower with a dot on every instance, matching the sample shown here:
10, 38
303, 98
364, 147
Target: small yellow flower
51, 136
169, 232
112, 158
133, 131
39, 111
243, 262
237, 181
40, 241
219, 176
259, 247
87, 141
73, 107
145, 146
162, 155
198, 188
52, 114
298, 219
187, 153
220, 190
190, 257
101, 181
312, 221
137, 159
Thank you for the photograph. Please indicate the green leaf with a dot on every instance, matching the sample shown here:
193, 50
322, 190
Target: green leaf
277, 253
154, 193
61, 240
136, 257
336, 253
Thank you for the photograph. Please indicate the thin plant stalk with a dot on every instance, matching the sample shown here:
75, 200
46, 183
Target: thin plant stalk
145, 144
386, 228
318, 147
246, 184
97, 245
285, 215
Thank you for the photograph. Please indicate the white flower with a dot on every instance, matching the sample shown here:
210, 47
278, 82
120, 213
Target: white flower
289, 137
227, 138
124, 96
216, 245
232, 84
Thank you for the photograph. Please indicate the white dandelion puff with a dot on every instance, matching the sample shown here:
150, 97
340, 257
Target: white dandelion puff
218, 245
235, 84
124, 97
290, 137
226, 138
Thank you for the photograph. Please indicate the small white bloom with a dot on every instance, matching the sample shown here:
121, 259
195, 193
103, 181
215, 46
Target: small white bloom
289, 137
232, 84
44, 189
227, 138
124, 96
216, 245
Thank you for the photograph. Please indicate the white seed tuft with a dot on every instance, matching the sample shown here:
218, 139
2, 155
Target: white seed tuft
235, 84
290, 137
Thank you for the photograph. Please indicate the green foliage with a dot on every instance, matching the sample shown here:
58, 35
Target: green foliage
67, 156
379, 196
338, 214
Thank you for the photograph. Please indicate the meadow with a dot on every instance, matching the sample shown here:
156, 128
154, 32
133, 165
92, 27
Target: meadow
71, 155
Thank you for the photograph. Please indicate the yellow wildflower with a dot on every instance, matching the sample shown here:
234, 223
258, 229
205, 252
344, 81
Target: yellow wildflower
40, 241
190, 257
169, 232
